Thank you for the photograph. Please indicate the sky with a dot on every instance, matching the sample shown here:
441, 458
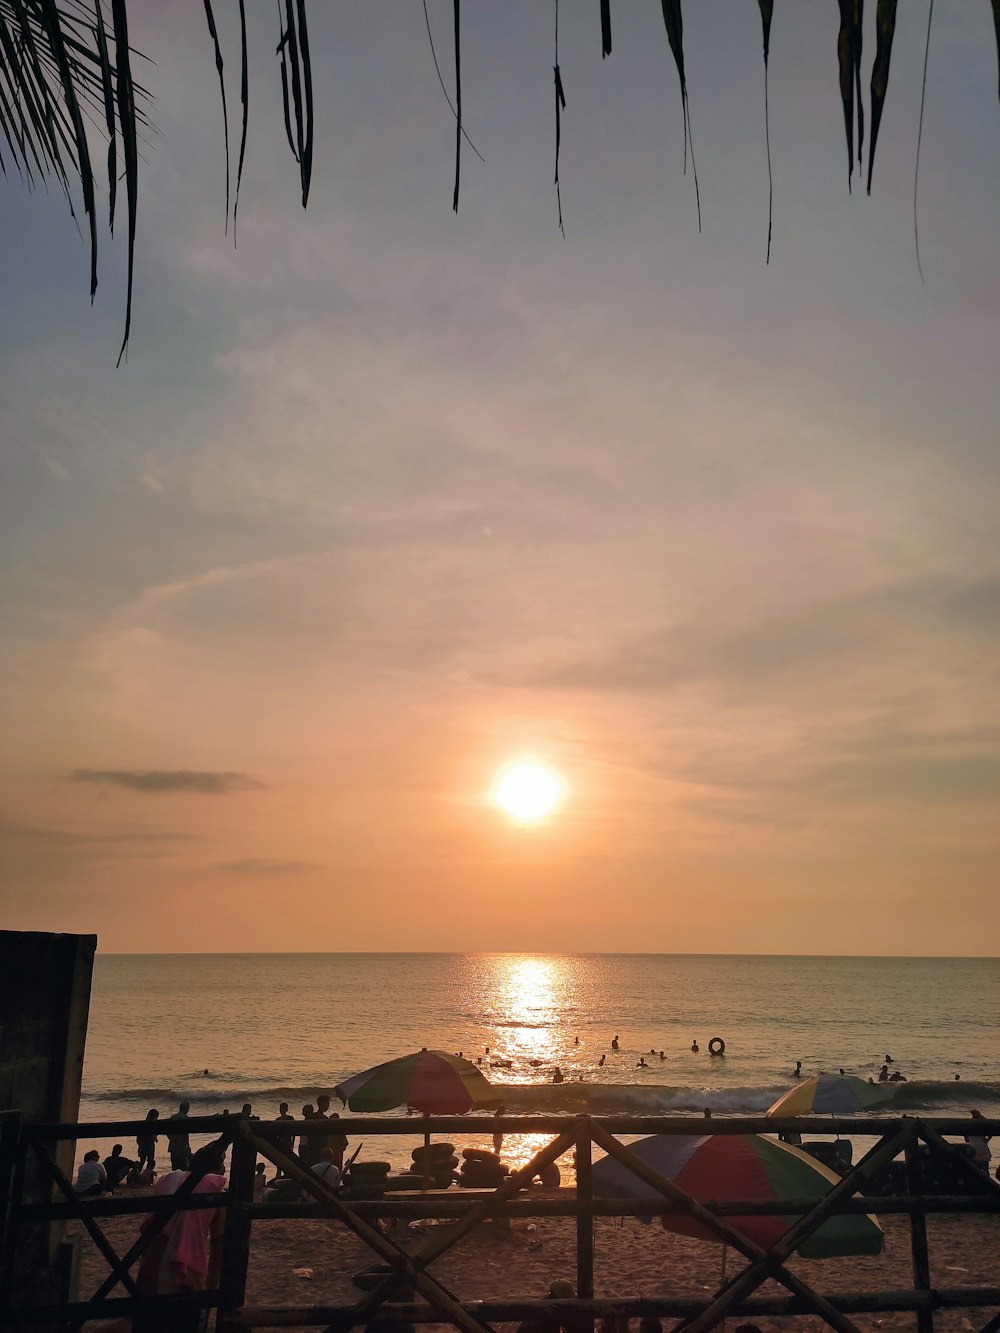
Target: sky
388, 497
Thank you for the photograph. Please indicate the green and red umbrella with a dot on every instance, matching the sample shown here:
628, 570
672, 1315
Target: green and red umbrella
429, 1081
725, 1167
832, 1094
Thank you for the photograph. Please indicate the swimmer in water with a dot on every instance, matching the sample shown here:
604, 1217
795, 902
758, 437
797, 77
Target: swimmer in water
695, 1047
797, 1072
662, 1056
600, 1063
888, 1058
614, 1042
642, 1063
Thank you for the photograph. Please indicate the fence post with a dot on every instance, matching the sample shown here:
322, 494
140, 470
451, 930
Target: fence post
10, 1136
236, 1236
584, 1218
918, 1234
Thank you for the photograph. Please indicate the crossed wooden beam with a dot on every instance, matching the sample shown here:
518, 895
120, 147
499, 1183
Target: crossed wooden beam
120, 1266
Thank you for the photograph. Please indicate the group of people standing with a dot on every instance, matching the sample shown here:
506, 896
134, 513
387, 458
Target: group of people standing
95, 1177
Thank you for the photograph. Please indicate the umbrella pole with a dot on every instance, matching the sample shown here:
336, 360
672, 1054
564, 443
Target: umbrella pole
427, 1156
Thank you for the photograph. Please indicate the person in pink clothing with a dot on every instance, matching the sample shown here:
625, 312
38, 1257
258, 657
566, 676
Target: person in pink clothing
184, 1255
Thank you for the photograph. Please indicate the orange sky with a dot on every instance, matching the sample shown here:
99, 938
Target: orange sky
387, 497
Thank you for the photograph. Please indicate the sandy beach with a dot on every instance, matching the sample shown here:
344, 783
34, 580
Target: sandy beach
630, 1259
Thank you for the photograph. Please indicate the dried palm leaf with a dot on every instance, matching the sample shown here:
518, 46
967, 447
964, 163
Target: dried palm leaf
766, 14
885, 27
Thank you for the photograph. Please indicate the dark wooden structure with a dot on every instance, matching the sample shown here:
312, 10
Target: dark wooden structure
917, 1140
45, 982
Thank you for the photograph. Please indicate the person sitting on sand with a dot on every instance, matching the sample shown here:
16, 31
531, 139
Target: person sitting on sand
327, 1169
259, 1182
980, 1145
117, 1167
695, 1047
91, 1177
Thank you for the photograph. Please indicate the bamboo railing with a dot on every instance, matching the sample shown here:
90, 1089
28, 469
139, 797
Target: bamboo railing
249, 1139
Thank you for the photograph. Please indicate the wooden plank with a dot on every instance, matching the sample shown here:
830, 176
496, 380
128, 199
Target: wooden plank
236, 1236
534, 1123
918, 1238
585, 1215
509, 1311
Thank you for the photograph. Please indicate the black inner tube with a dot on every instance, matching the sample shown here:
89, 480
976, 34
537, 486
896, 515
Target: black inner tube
716, 1046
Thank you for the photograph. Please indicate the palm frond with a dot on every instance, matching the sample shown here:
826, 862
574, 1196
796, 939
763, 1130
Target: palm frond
59, 67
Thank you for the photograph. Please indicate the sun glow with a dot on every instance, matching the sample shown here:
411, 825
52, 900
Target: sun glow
527, 792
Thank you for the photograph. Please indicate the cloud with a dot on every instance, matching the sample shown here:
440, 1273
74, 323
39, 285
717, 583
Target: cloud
263, 865
165, 780
36, 836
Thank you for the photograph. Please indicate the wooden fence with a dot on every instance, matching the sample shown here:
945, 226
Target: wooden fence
912, 1138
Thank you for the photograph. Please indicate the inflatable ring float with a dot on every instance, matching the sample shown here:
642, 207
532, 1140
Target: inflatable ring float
716, 1046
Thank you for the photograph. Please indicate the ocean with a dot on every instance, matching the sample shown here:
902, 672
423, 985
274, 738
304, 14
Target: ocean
284, 1027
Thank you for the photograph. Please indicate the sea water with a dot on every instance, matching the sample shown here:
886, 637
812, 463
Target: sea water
285, 1027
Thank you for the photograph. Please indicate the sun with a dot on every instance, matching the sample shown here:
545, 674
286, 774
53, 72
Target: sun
527, 791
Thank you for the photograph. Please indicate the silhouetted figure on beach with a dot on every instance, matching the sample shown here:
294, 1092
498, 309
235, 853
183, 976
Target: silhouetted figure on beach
980, 1144
146, 1143
283, 1140
337, 1143
708, 1113
117, 1167
178, 1143
311, 1145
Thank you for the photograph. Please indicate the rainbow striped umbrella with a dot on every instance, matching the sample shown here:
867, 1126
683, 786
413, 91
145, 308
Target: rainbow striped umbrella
429, 1081
726, 1167
832, 1094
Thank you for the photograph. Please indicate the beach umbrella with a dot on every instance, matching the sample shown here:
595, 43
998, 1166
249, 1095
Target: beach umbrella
726, 1167
429, 1081
832, 1094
